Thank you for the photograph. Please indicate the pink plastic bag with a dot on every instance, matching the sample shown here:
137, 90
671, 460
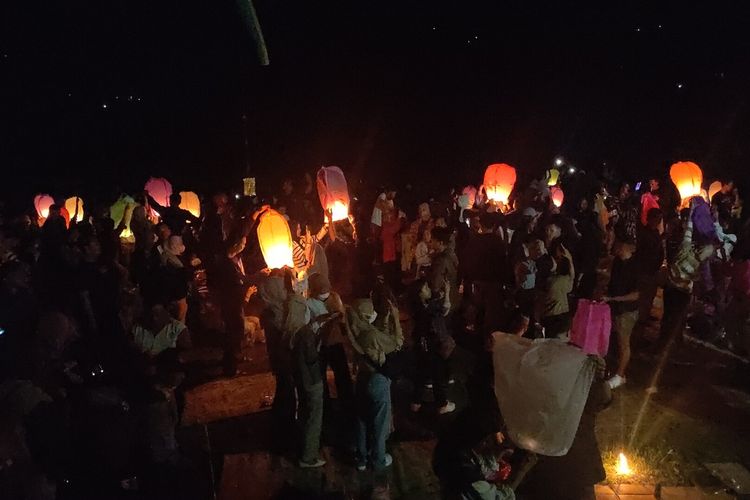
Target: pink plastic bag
591, 327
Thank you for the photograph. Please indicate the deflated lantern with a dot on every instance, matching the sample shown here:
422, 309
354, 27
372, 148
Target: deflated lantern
333, 192
70, 206
190, 202
714, 188
42, 202
557, 195
687, 177
275, 240
499, 180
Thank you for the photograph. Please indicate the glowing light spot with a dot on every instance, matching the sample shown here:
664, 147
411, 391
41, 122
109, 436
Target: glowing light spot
558, 161
623, 468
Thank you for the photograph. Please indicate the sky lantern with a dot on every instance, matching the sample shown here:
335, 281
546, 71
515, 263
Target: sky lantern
557, 195
333, 192
553, 175
119, 210
190, 202
159, 189
714, 188
687, 177
42, 202
70, 206
275, 240
499, 180
471, 194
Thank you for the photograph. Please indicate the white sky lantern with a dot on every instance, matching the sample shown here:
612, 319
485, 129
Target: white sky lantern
333, 192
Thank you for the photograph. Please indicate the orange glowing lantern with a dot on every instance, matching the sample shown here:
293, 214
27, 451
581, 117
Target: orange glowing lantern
275, 240
557, 195
714, 188
190, 202
553, 175
499, 180
333, 192
71, 204
687, 177
42, 202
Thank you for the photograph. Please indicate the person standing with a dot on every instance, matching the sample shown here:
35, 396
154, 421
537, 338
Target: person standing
650, 257
622, 296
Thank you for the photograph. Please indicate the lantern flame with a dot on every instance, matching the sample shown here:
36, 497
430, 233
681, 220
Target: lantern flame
623, 468
340, 211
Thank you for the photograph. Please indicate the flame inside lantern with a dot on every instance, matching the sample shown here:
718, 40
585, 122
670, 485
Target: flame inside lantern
340, 210
623, 468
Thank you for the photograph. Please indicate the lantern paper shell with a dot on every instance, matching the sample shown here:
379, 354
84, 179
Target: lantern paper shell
190, 202
275, 240
42, 202
553, 175
471, 193
70, 206
557, 195
333, 192
118, 210
714, 188
248, 186
687, 177
499, 180
159, 189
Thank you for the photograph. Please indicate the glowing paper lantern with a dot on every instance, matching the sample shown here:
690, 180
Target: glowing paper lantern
714, 188
471, 193
333, 192
70, 206
159, 189
557, 195
248, 186
275, 240
42, 202
688, 177
499, 180
190, 202
118, 210
553, 175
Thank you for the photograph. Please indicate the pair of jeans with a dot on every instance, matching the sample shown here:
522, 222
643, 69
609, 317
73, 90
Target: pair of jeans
335, 357
311, 417
373, 417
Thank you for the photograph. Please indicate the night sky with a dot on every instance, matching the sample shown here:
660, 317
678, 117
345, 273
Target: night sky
98, 95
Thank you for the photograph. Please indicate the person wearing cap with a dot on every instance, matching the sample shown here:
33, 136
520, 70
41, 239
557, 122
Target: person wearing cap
322, 300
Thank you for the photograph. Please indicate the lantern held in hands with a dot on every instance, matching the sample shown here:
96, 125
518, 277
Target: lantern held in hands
557, 195
118, 211
499, 180
159, 189
42, 202
471, 194
190, 202
73, 203
275, 240
333, 192
553, 175
687, 177
714, 188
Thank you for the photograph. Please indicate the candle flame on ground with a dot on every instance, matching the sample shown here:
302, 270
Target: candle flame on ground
623, 468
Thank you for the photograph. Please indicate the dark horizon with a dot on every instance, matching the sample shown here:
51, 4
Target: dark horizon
389, 92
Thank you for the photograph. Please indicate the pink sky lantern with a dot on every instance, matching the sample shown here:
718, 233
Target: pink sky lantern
275, 240
471, 194
159, 189
557, 195
688, 178
42, 202
333, 192
499, 179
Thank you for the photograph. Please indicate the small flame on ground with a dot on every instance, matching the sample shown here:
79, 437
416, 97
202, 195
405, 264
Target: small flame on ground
623, 468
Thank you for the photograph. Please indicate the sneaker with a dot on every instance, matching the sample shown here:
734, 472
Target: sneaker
449, 407
362, 466
388, 460
318, 462
616, 382
415, 407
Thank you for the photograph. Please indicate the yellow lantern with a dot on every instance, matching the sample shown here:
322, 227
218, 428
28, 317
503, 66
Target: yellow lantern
70, 206
499, 179
190, 202
248, 186
714, 188
553, 175
687, 177
557, 195
275, 240
119, 210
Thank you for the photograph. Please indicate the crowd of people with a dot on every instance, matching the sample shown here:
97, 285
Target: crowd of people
93, 329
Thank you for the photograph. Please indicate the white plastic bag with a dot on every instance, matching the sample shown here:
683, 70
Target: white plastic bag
541, 387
